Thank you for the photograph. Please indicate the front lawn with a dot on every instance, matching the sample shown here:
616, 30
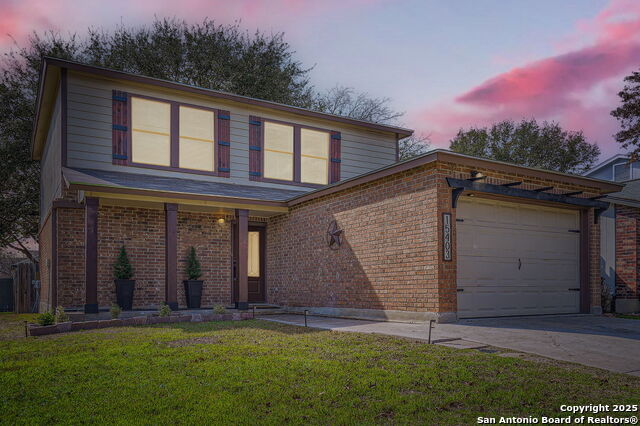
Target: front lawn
628, 316
260, 372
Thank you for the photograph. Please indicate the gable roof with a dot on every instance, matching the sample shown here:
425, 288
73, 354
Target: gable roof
50, 75
605, 163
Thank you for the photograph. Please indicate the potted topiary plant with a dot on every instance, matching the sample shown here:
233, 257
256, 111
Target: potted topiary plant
192, 285
123, 272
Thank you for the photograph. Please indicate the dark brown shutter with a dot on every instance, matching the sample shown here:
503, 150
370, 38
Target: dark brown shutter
119, 130
255, 148
224, 143
335, 159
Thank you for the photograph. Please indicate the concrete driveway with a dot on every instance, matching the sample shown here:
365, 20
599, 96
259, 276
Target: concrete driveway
608, 343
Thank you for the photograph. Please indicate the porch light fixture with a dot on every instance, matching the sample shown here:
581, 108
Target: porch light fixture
476, 175
221, 221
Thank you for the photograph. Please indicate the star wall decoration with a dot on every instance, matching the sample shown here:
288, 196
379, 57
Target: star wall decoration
334, 235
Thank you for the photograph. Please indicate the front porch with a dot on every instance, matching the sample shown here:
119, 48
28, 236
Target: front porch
158, 230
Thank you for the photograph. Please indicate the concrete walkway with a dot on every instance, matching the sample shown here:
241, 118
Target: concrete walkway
608, 343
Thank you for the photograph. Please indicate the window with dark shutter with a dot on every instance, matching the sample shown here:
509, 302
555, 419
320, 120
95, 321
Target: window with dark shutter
290, 153
255, 148
224, 143
120, 118
335, 159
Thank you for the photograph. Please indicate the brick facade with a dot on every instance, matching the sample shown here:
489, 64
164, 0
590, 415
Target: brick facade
71, 288
212, 241
627, 252
45, 257
392, 254
391, 258
388, 259
141, 231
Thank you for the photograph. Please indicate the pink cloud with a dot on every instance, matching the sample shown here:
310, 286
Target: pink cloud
577, 88
19, 18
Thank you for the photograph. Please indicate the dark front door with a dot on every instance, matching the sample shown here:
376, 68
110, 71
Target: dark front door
256, 266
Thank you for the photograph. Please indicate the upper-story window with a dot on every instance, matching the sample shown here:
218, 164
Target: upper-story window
150, 132
626, 171
197, 142
278, 151
314, 152
174, 136
308, 163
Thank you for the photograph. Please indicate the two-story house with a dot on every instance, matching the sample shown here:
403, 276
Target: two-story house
293, 207
620, 232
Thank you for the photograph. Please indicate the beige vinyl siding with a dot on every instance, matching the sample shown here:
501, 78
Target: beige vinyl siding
51, 164
89, 132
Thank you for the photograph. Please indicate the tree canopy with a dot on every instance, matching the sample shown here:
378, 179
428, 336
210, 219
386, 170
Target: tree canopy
346, 101
220, 57
205, 54
529, 143
628, 114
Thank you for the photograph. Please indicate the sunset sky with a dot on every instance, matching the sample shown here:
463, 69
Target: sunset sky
446, 63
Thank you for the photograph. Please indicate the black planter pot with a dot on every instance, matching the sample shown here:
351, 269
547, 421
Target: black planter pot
124, 293
193, 292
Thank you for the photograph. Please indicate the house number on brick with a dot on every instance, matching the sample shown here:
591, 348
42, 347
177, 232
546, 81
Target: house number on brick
446, 235
334, 235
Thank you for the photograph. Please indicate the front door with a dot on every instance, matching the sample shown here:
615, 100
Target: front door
255, 264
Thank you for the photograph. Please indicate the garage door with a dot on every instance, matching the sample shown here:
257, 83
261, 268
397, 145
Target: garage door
516, 259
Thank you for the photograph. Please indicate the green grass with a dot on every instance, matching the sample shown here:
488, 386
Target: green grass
12, 325
250, 372
629, 316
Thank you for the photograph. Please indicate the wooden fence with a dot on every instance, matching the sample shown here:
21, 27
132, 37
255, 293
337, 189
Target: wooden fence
26, 287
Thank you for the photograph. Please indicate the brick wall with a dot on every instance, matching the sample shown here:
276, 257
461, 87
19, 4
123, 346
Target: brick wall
595, 279
627, 252
392, 254
71, 258
212, 242
45, 264
141, 231
388, 259
391, 257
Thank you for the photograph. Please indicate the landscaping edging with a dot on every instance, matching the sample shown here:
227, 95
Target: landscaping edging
64, 327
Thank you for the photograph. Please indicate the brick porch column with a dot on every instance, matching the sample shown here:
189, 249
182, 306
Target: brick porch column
91, 254
242, 237
171, 255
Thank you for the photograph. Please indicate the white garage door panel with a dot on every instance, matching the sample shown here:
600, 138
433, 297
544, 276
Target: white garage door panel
516, 259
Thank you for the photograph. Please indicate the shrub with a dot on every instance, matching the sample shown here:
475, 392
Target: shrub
193, 265
46, 318
115, 311
61, 315
165, 310
219, 309
122, 268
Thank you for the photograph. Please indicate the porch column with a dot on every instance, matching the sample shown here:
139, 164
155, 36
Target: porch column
242, 219
91, 255
171, 255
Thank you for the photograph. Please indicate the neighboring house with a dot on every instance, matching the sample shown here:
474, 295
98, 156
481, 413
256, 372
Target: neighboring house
620, 232
295, 208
